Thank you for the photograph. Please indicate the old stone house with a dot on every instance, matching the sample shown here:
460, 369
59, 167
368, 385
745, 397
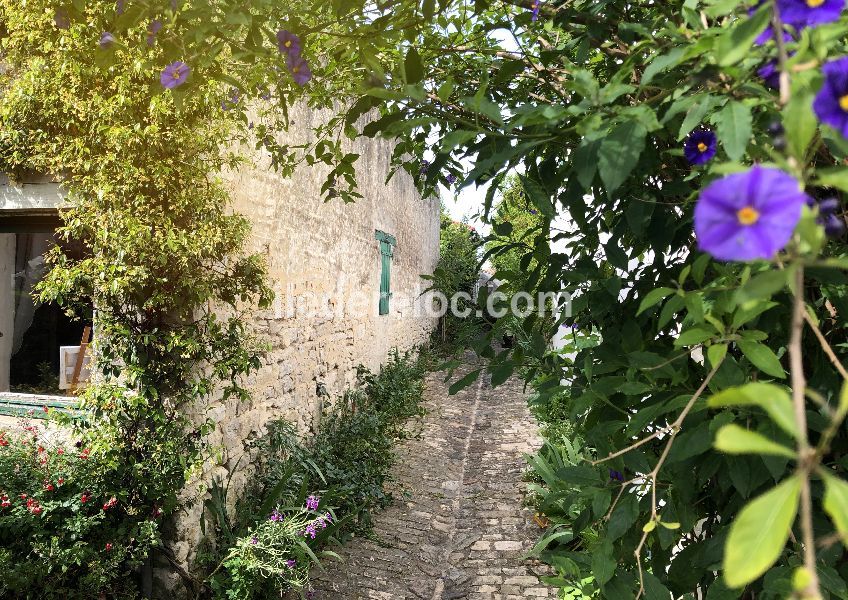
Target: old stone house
347, 279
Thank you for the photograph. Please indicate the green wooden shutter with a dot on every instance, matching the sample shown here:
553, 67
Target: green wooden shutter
386, 246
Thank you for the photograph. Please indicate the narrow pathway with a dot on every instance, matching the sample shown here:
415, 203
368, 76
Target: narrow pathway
458, 526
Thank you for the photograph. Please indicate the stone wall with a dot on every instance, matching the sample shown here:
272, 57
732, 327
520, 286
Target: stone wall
324, 255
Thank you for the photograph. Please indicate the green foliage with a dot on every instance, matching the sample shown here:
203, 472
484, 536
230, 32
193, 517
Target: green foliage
347, 464
67, 524
516, 225
160, 256
456, 273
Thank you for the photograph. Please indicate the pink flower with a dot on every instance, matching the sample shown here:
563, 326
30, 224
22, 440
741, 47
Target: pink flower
108, 547
111, 503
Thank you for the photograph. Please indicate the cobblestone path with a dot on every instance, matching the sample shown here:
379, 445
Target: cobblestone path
458, 526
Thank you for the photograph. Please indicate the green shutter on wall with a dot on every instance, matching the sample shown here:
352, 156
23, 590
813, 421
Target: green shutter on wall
387, 243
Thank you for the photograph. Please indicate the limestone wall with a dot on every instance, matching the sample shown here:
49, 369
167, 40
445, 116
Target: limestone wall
320, 250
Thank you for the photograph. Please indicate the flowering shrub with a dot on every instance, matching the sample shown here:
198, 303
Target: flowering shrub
65, 524
278, 552
283, 530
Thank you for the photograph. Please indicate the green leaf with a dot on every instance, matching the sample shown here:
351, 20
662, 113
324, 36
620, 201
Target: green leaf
716, 353
694, 335
464, 382
649, 526
799, 113
501, 373
603, 563
412, 66
661, 63
736, 43
762, 285
842, 409
619, 153
772, 399
733, 439
585, 161
836, 503
695, 115
836, 177
762, 357
734, 129
758, 535
652, 297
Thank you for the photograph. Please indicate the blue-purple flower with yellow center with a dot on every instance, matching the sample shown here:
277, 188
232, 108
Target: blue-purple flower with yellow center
152, 29
299, 69
809, 13
768, 32
537, 4
288, 43
106, 40
700, 146
174, 75
831, 103
750, 215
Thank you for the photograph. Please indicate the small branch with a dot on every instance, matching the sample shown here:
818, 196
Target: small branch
826, 346
652, 476
806, 456
633, 446
782, 57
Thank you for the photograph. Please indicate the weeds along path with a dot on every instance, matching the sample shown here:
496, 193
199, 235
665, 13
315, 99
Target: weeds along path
458, 526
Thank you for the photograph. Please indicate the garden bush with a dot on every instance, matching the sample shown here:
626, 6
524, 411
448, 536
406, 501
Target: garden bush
316, 492
68, 527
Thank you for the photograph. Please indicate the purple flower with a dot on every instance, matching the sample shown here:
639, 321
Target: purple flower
770, 74
106, 40
276, 516
290, 563
174, 75
450, 178
537, 4
328, 517
288, 43
61, 19
119, 9
235, 97
152, 30
615, 475
299, 69
310, 531
265, 95
768, 32
745, 216
700, 146
809, 13
312, 502
425, 164
831, 103
254, 540
834, 226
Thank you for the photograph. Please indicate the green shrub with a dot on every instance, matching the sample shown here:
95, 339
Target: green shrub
345, 466
68, 528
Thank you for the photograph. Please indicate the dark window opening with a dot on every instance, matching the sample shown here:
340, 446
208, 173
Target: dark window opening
40, 330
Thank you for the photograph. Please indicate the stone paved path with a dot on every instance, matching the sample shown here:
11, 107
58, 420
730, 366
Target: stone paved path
458, 526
